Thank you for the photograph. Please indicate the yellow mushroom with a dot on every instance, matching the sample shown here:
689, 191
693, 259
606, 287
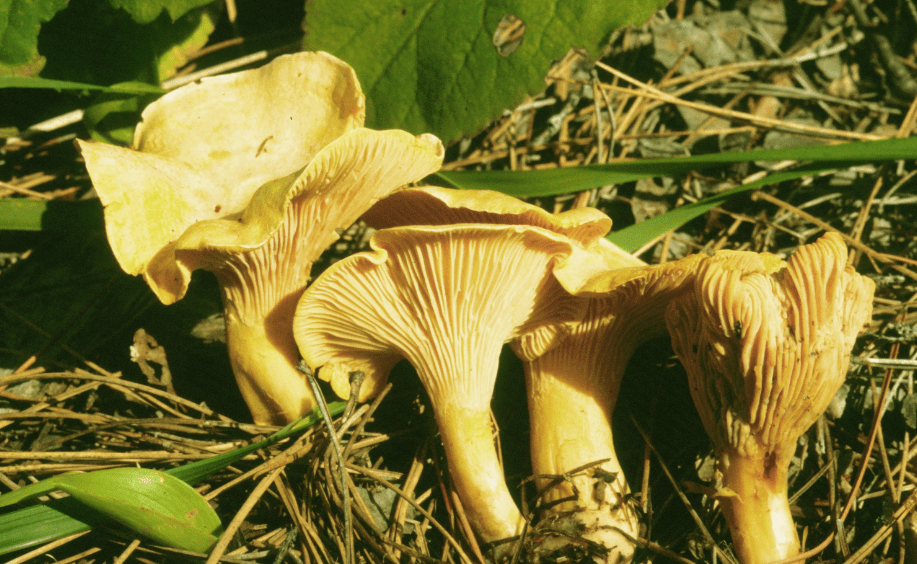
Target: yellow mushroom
249, 175
766, 345
446, 298
573, 380
573, 389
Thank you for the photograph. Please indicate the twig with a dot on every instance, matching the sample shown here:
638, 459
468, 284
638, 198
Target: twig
684, 499
220, 547
377, 477
336, 446
647, 91
28, 556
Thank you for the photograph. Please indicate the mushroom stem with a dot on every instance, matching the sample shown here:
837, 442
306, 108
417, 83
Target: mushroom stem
263, 355
467, 437
597, 494
759, 514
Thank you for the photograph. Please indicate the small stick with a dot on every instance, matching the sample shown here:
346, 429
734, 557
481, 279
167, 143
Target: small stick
345, 491
684, 499
220, 547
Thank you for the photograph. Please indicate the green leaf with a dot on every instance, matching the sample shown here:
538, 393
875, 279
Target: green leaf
550, 182
20, 214
633, 237
433, 65
20, 22
130, 52
152, 503
58, 518
40, 524
49, 84
174, 42
112, 117
145, 11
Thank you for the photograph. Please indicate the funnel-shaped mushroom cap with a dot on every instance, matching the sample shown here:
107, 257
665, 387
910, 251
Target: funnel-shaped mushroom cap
573, 389
248, 175
586, 227
766, 345
446, 298
432, 205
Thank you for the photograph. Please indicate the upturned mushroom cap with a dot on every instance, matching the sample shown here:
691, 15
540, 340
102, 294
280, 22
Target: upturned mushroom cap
446, 298
586, 227
572, 391
249, 175
766, 345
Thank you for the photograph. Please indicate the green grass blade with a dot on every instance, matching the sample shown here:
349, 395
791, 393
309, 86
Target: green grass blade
37, 524
49, 84
196, 471
552, 182
40, 524
633, 237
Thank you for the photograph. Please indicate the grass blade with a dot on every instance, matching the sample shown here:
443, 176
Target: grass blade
635, 236
556, 181
49, 84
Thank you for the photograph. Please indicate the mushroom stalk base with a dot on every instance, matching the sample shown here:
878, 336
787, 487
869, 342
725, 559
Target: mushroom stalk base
571, 429
264, 362
759, 514
476, 474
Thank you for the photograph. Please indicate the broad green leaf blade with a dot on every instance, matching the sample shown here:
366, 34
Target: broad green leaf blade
49, 84
20, 22
152, 503
633, 237
145, 11
436, 65
39, 524
175, 42
550, 182
155, 504
20, 214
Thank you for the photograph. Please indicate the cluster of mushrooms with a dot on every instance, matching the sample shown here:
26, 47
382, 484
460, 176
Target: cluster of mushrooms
252, 175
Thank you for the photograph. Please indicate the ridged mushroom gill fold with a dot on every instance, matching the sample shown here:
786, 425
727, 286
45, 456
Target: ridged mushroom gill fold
766, 345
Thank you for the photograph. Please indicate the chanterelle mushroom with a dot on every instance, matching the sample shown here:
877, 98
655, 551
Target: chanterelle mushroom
573, 386
766, 345
573, 389
446, 298
248, 175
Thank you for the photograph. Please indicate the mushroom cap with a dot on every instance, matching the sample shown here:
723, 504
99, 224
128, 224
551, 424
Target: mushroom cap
766, 343
586, 227
432, 205
217, 164
444, 297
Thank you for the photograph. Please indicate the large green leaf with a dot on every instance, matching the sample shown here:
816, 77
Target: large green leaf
20, 22
433, 65
152, 503
92, 42
145, 11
